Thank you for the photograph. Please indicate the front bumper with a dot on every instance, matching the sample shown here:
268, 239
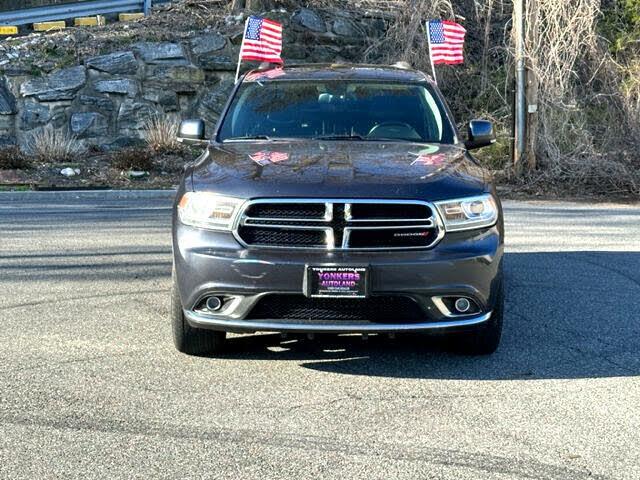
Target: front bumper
249, 326
213, 263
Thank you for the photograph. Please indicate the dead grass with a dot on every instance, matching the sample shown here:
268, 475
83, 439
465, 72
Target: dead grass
11, 158
589, 177
139, 159
161, 134
49, 145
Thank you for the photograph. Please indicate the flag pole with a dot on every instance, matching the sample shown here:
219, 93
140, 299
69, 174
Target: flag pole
433, 65
244, 34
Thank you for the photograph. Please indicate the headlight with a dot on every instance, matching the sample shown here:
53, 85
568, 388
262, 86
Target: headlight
468, 213
207, 210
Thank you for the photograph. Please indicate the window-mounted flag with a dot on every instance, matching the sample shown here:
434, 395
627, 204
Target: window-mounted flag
262, 41
446, 43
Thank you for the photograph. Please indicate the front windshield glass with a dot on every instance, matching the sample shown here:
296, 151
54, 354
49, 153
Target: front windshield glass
336, 110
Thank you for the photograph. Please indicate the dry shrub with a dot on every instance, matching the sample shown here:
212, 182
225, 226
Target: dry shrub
12, 158
49, 145
161, 134
140, 159
631, 94
582, 94
406, 37
585, 114
587, 176
558, 55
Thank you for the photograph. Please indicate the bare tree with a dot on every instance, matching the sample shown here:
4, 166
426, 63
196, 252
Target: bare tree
237, 5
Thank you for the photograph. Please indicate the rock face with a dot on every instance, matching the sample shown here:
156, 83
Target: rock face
123, 63
133, 115
309, 19
159, 52
213, 101
345, 27
109, 98
180, 74
7, 100
217, 63
34, 115
60, 85
166, 98
207, 44
100, 103
90, 124
122, 87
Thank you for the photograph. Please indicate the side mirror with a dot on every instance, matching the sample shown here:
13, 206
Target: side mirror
481, 134
192, 132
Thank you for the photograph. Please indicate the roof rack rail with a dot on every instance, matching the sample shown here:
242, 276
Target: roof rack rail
267, 65
403, 65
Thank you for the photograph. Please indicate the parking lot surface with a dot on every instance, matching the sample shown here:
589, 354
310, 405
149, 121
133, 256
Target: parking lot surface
91, 386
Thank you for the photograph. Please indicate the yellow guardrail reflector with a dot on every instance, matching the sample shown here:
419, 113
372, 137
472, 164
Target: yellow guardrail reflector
89, 21
8, 30
129, 17
46, 26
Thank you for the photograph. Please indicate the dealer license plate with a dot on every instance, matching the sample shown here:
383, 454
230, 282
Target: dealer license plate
337, 282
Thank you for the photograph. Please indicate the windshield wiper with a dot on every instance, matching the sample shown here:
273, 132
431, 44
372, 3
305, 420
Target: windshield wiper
340, 137
367, 139
399, 139
248, 137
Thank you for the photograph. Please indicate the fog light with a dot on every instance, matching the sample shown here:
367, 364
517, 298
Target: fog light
214, 304
463, 305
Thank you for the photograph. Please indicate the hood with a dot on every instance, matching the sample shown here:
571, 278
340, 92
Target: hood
338, 169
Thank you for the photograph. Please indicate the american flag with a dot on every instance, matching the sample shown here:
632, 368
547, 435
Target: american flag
264, 158
446, 42
426, 160
262, 41
264, 74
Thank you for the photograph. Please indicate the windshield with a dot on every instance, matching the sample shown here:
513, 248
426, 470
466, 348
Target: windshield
336, 110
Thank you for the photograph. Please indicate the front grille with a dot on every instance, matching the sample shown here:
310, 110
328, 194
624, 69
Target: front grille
286, 211
369, 211
411, 237
339, 224
282, 237
378, 309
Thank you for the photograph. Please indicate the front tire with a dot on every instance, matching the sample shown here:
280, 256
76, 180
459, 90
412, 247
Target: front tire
189, 340
486, 339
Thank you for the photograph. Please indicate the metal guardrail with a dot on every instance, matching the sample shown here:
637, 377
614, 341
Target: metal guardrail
72, 10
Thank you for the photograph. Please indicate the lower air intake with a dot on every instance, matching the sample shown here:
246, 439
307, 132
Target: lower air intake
383, 309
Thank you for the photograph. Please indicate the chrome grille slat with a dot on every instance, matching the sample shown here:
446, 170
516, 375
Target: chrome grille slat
427, 224
283, 219
339, 224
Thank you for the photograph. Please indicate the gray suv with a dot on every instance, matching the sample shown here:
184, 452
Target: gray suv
337, 199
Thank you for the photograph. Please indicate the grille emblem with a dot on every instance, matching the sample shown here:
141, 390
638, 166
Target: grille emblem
411, 234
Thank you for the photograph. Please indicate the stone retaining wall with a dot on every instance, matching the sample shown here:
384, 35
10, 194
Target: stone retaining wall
107, 99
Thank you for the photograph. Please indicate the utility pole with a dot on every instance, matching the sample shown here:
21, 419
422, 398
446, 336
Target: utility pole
521, 86
531, 37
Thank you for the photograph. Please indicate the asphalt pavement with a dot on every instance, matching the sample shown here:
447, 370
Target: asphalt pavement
91, 386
